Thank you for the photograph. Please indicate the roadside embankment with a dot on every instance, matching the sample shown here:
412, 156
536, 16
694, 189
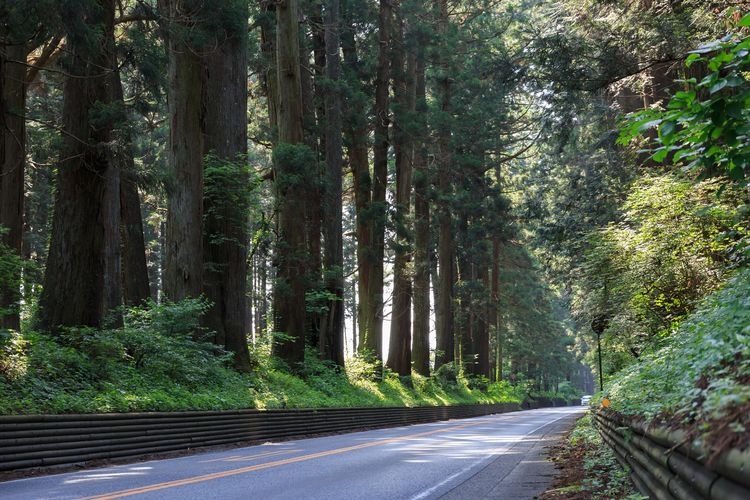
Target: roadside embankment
665, 463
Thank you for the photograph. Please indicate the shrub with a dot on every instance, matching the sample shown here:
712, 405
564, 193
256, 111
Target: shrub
184, 354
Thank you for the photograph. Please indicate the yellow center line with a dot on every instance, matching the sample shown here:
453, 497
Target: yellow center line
268, 465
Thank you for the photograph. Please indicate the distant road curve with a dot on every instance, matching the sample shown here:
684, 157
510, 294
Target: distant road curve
497, 456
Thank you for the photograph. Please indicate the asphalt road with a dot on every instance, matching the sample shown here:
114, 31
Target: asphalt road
498, 456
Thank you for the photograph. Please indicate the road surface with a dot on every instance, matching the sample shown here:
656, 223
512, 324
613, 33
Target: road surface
497, 456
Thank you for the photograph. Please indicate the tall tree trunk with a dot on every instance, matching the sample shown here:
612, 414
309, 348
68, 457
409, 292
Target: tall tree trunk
481, 331
496, 248
435, 280
135, 283
354, 314
269, 76
12, 167
332, 332
292, 162
183, 276
421, 342
313, 116
267, 22
465, 312
444, 334
356, 132
225, 203
261, 310
37, 214
162, 260
404, 66
372, 336
82, 287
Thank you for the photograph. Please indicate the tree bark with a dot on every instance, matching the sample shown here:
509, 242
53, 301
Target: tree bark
269, 76
225, 203
267, 21
82, 287
421, 341
404, 66
261, 307
372, 335
445, 342
464, 316
292, 163
356, 131
136, 286
183, 276
135, 282
481, 332
313, 117
12, 167
494, 317
332, 331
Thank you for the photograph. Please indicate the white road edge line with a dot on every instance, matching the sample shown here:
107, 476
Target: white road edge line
463, 471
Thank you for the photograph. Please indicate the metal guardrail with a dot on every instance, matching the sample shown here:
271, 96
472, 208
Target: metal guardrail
665, 464
28, 441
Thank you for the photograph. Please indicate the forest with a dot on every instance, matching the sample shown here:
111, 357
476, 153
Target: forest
304, 203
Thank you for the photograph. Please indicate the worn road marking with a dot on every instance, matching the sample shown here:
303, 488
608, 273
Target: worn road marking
242, 458
253, 457
219, 459
268, 465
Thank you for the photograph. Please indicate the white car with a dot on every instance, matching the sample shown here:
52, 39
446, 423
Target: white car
585, 400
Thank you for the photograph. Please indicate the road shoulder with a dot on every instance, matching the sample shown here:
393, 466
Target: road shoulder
524, 472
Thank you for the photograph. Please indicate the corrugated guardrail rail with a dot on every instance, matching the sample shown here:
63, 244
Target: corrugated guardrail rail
665, 464
42, 440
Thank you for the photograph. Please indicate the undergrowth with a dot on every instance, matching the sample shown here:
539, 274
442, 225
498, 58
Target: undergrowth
588, 468
161, 361
699, 378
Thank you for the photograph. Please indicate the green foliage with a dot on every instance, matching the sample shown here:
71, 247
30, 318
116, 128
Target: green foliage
158, 361
646, 272
535, 332
227, 182
705, 126
318, 299
564, 390
447, 374
604, 478
701, 371
295, 166
11, 265
13, 359
228, 190
184, 354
